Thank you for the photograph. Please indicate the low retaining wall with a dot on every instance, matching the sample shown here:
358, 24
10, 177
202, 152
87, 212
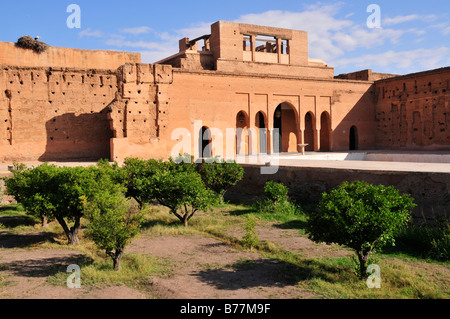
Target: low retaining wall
431, 191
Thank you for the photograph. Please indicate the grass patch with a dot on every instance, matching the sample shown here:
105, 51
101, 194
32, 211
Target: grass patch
135, 268
335, 278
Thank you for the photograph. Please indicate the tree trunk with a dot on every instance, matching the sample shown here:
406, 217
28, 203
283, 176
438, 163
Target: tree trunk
72, 233
44, 220
363, 258
186, 221
117, 258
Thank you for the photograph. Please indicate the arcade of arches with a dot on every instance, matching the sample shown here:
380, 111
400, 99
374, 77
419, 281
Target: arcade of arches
284, 132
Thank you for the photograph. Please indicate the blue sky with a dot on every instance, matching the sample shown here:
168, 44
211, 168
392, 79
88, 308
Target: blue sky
414, 35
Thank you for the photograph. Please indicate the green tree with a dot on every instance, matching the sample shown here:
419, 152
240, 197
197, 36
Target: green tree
136, 175
113, 223
32, 187
59, 192
182, 191
360, 216
220, 176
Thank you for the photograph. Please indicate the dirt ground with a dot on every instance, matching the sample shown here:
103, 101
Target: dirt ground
204, 268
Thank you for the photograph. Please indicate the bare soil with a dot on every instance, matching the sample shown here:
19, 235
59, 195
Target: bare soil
203, 268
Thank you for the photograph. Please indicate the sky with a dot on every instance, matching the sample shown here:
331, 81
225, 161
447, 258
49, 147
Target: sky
409, 36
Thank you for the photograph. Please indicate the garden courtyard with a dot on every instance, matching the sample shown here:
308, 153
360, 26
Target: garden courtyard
210, 259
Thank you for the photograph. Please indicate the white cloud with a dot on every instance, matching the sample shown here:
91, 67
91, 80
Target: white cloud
412, 17
156, 55
137, 30
366, 38
331, 36
121, 42
402, 60
400, 19
90, 33
196, 30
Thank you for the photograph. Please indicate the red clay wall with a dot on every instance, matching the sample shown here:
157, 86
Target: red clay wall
413, 111
65, 57
55, 113
180, 97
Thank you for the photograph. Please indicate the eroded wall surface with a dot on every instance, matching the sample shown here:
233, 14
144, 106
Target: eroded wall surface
51, 114
10, 54
413, 112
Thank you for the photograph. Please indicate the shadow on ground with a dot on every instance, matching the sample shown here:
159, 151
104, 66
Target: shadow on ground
40, 268
8, 240
268, 273
17, 221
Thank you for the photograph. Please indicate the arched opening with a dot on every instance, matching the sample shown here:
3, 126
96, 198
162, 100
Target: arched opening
277, 131
242, 138
353, 138
262, 132
205, 143
309, 131
325, 132
285, 134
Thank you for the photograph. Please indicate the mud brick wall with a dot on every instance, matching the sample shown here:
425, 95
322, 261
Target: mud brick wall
413, 112
139, 115
10, 54
51, 114
431, 191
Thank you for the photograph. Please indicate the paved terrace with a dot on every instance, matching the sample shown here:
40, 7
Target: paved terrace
436, 162
432, 162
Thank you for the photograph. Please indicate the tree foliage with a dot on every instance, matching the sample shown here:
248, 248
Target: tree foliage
33, 189
220, 176
360, 216
136, 175
113, 222
59, 193
180, 188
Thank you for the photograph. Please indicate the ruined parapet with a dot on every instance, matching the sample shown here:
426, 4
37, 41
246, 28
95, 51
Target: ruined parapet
139, 114
11, 54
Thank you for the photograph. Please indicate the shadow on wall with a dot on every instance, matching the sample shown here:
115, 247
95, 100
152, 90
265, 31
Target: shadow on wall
85, 137
431, 191
357, 130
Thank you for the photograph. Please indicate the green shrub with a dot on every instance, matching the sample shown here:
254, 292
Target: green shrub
360, 216
250, 239
276, 192
440, 241
276, 201
181, 189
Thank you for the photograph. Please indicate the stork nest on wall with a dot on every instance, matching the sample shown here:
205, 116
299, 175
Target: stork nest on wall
29, 43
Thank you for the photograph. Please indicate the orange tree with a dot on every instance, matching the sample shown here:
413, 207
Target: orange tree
360, 216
